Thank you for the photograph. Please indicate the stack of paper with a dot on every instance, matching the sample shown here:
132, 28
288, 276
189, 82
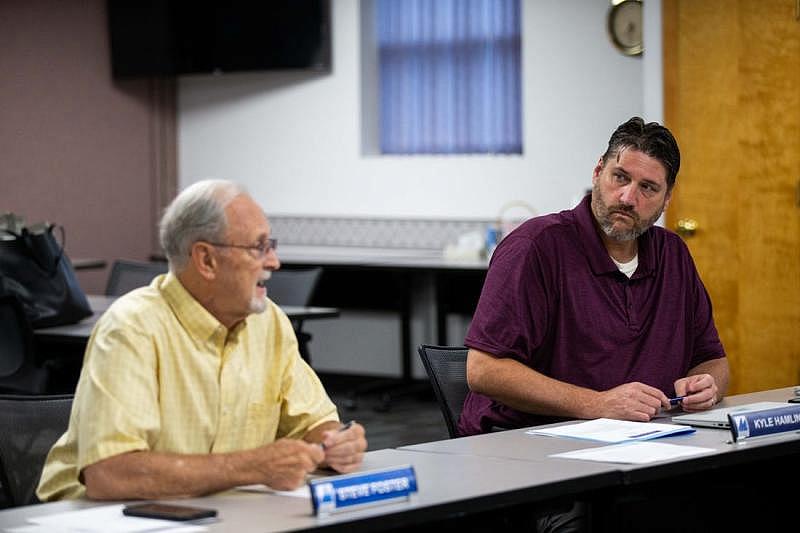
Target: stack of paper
627, 438
614, 431
636, 453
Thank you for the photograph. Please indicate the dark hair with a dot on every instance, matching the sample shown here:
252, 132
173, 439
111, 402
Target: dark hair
652, 139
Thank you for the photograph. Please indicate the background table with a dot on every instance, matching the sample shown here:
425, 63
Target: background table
88, 263
62, 347
421, 286
80, 332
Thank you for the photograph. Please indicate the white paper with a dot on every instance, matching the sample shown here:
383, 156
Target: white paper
635, 453
108, 518
32, 529
36, 528
301, 492
614, 431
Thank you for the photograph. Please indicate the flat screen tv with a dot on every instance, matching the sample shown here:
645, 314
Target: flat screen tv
174, 37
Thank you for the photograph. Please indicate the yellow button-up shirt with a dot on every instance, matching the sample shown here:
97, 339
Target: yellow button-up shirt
161, 373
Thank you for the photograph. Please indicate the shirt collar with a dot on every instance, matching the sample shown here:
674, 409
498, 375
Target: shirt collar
194, 317
595, 251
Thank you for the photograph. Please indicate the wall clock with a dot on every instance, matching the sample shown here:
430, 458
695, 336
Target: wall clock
625, 26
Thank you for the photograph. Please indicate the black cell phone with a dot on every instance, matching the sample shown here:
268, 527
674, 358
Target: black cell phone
166, 511
796, 399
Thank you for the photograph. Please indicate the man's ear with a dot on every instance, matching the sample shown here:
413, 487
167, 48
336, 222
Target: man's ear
204, 260
598, 168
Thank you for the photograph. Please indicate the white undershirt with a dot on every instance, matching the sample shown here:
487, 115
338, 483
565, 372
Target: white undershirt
628, 268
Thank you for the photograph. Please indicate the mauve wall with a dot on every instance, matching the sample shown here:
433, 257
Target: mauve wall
76, 148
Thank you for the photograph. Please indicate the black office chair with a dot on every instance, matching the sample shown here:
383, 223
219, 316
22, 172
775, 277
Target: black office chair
447, 369
29, 425
19, 372
295, 287
128, 275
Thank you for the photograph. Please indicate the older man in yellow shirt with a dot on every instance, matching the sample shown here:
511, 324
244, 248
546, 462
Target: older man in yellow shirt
194, 384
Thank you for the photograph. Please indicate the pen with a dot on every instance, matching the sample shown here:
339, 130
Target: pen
676, 400
646, 433
343, 427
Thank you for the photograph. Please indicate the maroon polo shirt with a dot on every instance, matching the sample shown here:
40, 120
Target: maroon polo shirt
555, 301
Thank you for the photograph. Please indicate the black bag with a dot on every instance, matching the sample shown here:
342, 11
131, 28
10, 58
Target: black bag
34, 267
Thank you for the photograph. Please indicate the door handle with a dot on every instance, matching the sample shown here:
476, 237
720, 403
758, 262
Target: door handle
686, 227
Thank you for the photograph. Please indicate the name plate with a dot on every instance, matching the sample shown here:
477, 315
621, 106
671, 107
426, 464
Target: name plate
748, 424
352, 491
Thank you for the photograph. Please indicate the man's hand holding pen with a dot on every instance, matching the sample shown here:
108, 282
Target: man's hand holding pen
696, 393
344, 448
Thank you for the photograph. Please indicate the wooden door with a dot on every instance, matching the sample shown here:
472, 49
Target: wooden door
732, 99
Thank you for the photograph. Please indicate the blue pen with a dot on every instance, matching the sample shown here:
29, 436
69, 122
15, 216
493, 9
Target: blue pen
646, 433
676, 400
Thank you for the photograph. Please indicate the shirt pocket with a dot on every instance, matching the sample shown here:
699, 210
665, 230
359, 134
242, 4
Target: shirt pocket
261, 424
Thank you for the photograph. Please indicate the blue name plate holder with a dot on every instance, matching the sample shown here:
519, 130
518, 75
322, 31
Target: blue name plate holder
353, 491
749, 424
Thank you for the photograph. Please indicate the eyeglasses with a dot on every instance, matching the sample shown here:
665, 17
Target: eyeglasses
261, 249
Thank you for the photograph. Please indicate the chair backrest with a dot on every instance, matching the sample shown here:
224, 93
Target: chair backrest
128, 275
447, 369
293, 287
18, 371
29, 425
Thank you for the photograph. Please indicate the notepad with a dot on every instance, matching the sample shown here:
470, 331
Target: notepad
613, 431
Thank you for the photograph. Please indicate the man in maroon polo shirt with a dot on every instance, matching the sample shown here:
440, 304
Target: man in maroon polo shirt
595, 312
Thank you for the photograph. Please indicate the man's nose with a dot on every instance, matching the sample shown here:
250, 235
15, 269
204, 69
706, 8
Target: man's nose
627, 194
271, 261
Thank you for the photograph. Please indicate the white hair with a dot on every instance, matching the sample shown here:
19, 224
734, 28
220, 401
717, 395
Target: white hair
196, 214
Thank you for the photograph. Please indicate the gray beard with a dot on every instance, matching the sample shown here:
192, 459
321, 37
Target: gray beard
258, 305
601, 213
622, 235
